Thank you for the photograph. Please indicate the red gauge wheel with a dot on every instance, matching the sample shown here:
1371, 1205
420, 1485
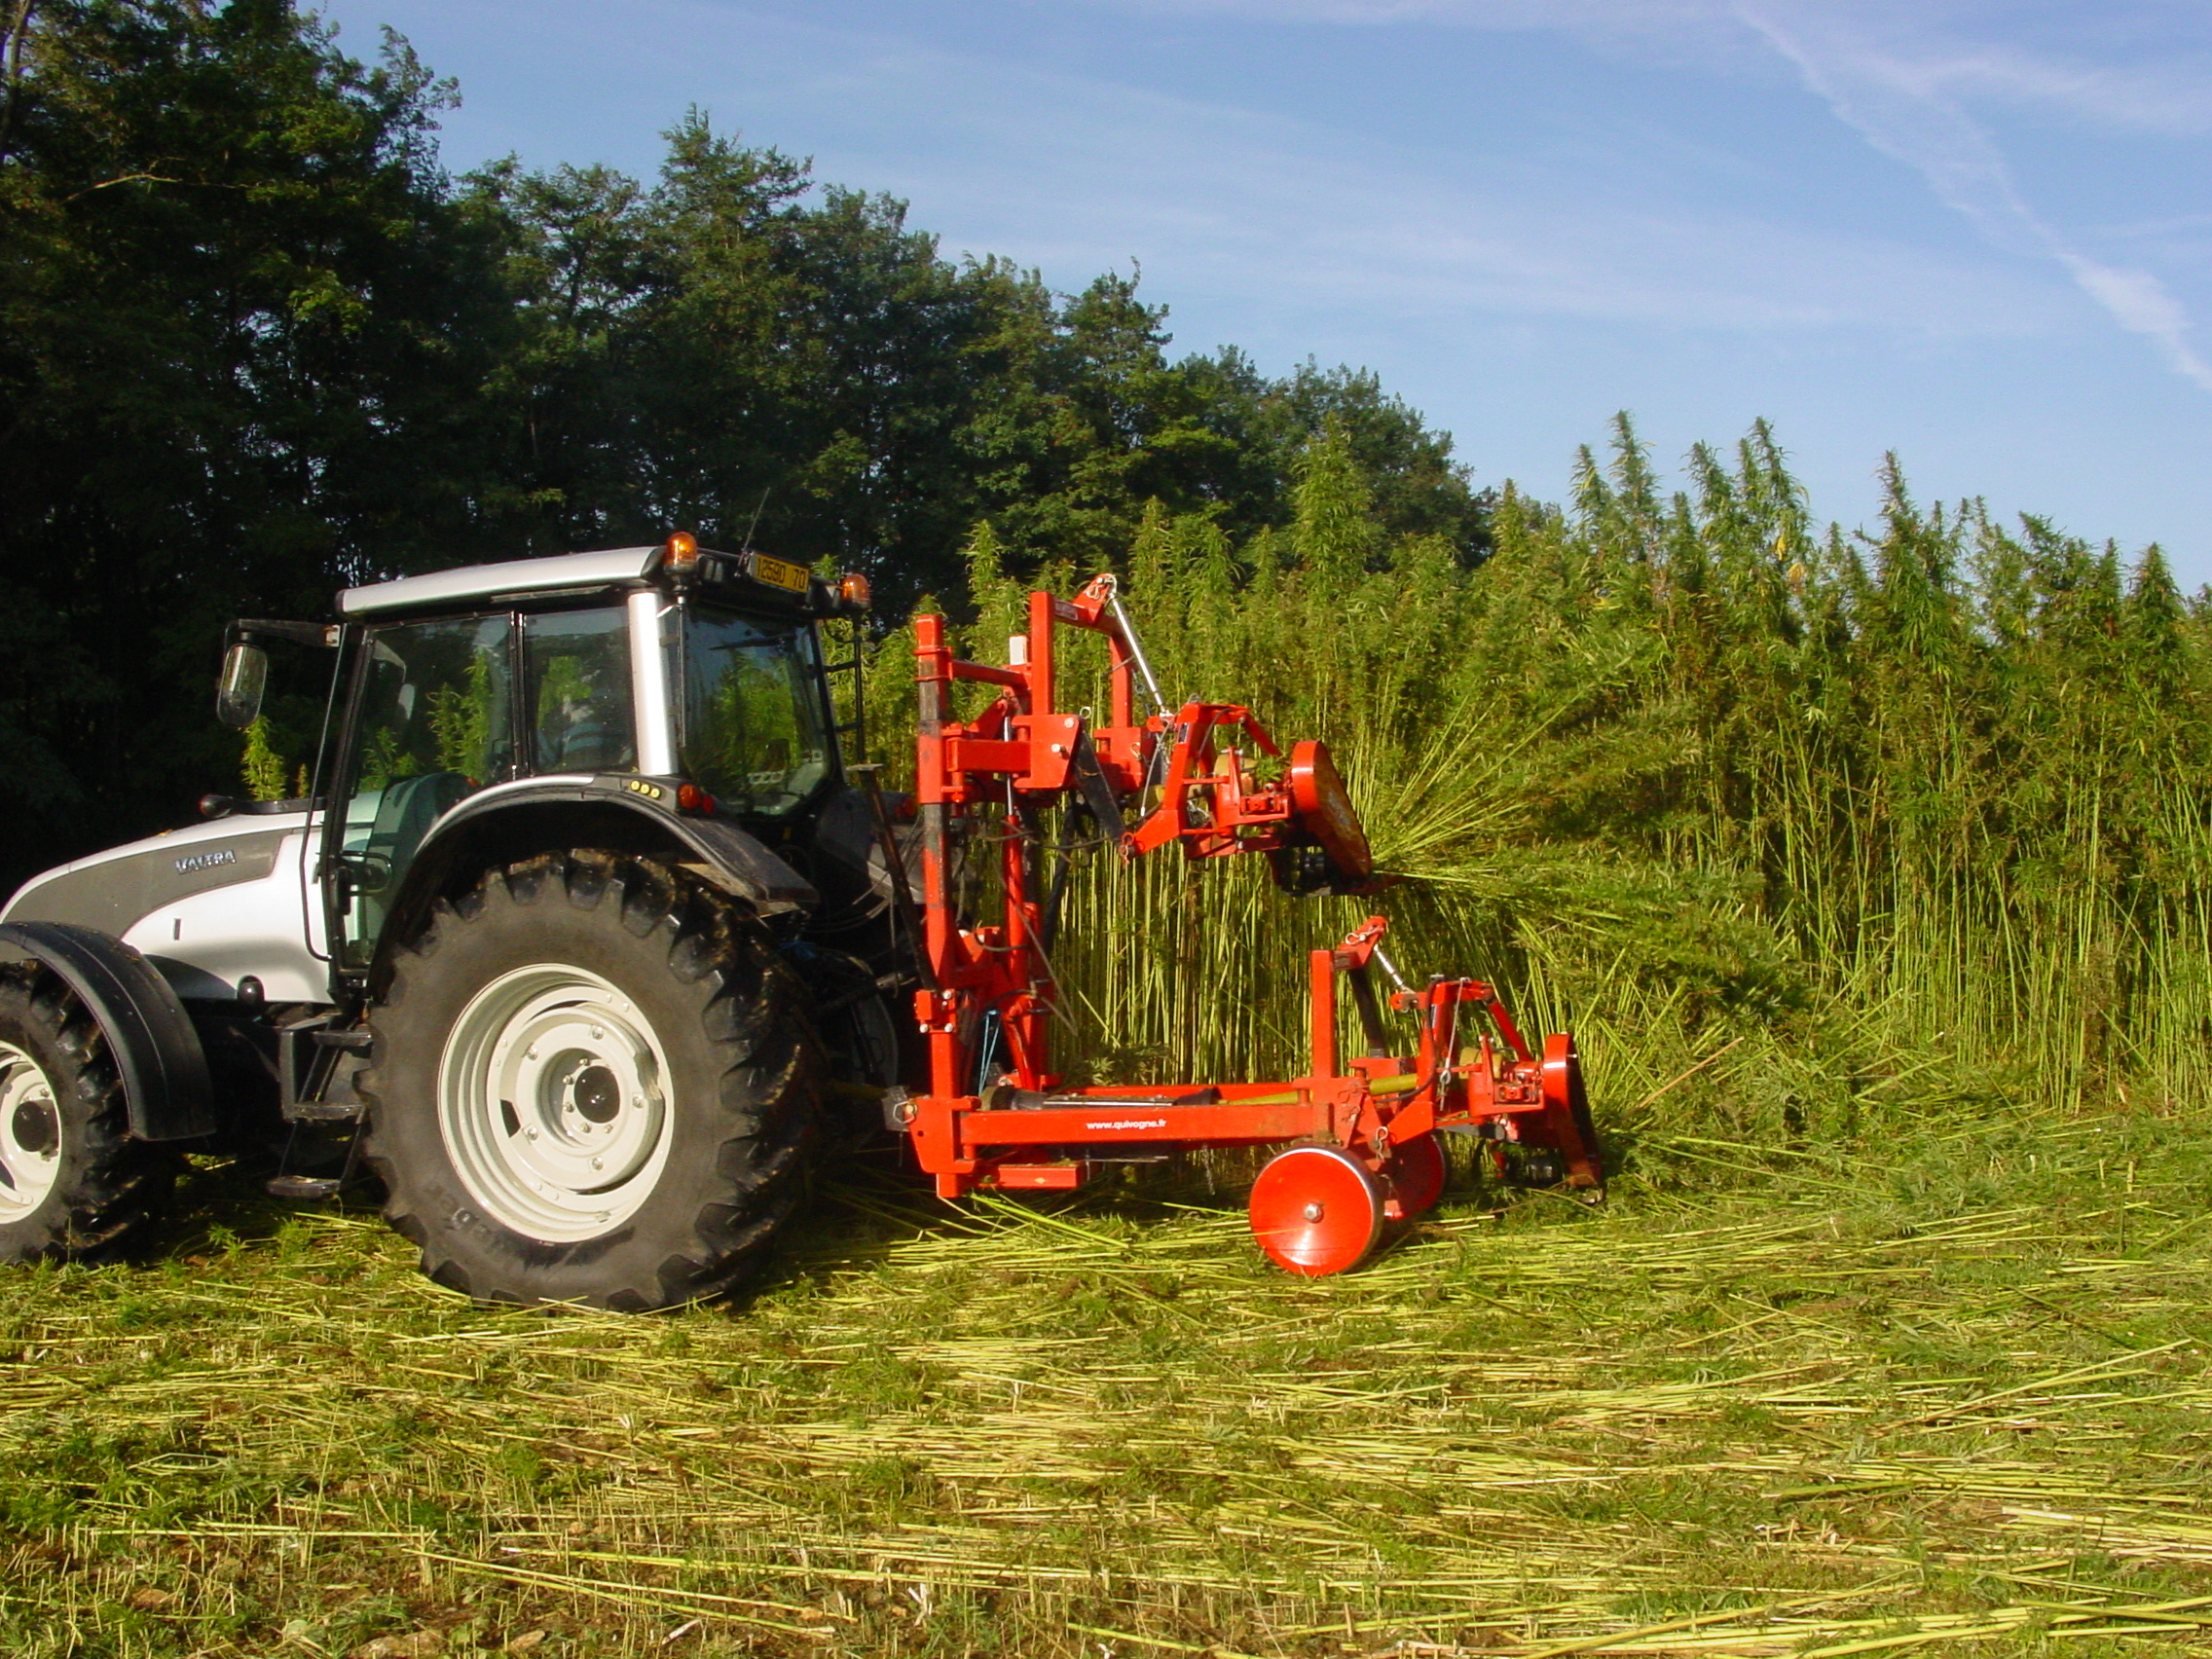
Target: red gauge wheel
1415, 1176
1317, 1210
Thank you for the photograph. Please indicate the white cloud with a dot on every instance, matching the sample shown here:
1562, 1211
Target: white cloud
2171, 98
1898, 104
1901, 75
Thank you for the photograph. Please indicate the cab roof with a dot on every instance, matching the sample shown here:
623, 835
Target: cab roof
562, 573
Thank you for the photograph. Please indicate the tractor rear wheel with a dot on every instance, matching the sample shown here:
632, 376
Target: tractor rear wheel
590, 1082
73, 1183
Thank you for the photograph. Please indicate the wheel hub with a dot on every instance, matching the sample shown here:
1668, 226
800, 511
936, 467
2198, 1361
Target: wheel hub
36, 1128
30, 1134
552, 1098
596, 1095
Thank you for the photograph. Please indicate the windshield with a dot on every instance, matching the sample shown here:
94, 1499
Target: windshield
755, 733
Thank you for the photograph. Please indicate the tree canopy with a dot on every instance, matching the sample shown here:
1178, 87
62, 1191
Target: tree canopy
256, 344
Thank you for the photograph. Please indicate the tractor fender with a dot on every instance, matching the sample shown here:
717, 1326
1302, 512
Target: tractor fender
510, 822
157, 1050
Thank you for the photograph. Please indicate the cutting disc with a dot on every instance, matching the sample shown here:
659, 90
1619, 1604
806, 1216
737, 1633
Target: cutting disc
1325, 810
1415, 1176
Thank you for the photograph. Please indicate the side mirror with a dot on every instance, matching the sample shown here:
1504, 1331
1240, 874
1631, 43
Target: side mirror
238, 694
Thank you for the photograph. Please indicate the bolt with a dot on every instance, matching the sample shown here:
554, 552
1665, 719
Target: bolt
530, 1054
531, 1133
599, 1163
597, 1033
1313, 1211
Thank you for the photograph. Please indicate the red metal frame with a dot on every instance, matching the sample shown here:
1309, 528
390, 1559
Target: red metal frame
1022, 1129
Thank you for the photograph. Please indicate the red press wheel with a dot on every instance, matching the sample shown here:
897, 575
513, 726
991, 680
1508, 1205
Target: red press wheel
1317, 1210
1415, 1176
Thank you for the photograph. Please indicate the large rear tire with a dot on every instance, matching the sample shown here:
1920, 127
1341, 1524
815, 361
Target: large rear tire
74, 1186
590, 1082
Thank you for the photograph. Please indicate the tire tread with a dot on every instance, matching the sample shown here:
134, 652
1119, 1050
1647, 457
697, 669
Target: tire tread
752, 1014
126, 1183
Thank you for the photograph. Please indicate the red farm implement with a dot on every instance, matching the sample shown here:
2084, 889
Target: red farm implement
1359, 1135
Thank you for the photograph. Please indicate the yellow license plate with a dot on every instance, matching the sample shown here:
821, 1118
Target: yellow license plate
777, 574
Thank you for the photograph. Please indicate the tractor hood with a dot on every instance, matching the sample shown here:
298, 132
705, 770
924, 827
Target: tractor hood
209, 904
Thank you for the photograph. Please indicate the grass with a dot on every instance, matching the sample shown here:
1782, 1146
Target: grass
1949, 1398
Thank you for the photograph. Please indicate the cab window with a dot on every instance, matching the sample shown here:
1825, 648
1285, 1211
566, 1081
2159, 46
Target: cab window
755, 731
434, 725
577, 667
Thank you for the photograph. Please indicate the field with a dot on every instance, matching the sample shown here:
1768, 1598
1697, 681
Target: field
1875, 877
1946, 1396
1872, 870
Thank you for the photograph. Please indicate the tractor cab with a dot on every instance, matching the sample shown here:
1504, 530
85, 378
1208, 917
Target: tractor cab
672, 674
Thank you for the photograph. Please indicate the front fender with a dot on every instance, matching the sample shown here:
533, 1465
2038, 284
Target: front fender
157, 1050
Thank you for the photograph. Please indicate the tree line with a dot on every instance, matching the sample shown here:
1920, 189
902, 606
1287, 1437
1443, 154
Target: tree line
256, 342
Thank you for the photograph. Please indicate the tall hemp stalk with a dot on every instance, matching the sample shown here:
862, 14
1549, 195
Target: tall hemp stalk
1862, 827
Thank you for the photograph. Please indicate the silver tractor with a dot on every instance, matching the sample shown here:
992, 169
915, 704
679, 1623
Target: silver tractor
579, 931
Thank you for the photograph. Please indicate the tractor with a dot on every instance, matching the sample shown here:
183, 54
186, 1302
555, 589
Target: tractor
589, 944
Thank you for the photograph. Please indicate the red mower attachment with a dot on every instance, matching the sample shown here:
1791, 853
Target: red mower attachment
1360, 1136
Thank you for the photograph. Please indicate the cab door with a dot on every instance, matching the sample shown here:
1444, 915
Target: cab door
432, 722
442, 709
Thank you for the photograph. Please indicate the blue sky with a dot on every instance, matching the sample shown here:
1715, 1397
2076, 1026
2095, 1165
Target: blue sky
1979, 235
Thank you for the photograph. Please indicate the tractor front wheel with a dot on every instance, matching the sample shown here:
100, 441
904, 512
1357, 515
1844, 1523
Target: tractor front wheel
591, 1082
73, 1183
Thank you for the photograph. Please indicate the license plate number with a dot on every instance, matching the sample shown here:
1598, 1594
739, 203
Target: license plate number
778, 572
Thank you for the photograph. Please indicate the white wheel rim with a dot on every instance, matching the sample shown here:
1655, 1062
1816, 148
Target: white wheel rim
553, 1102
30, 1134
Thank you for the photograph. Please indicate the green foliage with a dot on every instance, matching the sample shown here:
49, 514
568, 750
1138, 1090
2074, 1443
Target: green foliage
240, 318
262, 768
460, 717
385, 759
560, 680
1857, 827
